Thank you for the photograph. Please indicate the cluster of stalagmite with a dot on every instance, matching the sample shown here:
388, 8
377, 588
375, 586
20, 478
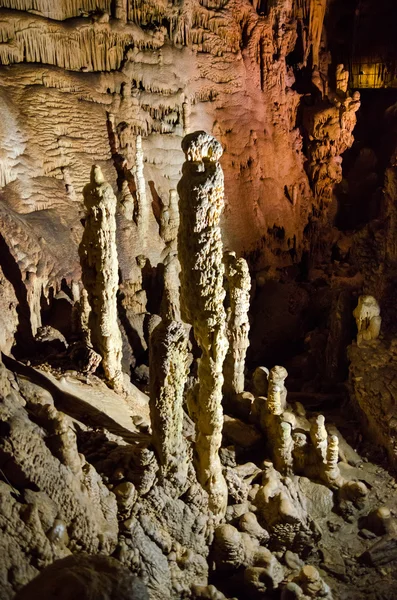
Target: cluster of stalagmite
297, 444
98, 255
200, 253
239, 285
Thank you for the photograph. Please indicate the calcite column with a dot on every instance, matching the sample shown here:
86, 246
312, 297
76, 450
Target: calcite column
168, 373
98, 257
239, 282
200, 251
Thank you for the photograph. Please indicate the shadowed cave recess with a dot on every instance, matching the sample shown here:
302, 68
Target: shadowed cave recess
198, 288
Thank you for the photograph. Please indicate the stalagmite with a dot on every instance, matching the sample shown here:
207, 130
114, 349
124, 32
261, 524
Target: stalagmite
168, 374
239, 283
201, 257
368, 319
186, 109
277, 393
319, 436
170, 304
342, 80
282, 452
331, 471
98, 256
169, 218
142, 204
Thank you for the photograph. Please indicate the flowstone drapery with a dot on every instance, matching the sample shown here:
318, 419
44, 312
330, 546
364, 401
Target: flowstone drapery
98, 256
201, 256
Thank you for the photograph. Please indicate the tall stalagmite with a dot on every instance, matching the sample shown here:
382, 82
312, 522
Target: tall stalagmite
201, 256
98, 256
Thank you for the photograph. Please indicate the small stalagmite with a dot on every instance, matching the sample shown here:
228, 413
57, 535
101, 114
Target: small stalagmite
239, 282
277, 393
168, 374
98, 256
200, 250
368, 319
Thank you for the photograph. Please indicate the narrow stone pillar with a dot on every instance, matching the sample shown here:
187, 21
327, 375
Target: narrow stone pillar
142, 204
168, 373
319, 437
200, 251
98, 257
277, 393
239, 282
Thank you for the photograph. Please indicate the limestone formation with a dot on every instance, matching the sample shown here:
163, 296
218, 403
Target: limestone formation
85, 469
134, 296
170, 303
169, 218
260, 381
277, 392
201, 256
311, 583
368, 319
168, 375
87, 577
330, 132
142, 202
239, 286
342, 80
98, 254
319, 437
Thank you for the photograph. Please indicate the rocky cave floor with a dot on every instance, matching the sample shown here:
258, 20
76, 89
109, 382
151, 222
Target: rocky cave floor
106, 425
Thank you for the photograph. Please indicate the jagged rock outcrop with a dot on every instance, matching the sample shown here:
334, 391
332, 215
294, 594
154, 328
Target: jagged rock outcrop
53, 501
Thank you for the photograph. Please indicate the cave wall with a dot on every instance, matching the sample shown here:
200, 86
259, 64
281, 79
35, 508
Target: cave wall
80, 81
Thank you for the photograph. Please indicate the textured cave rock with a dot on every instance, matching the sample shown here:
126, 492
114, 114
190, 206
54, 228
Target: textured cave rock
84, 576
221, 484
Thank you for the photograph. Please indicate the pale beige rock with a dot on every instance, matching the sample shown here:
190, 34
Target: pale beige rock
201, 256
342, 79
142, 202
168, 375
239, 284
170, 303
169, 218
319, 437
98, 254
311, 583
277, 392
283, 447
368, 319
